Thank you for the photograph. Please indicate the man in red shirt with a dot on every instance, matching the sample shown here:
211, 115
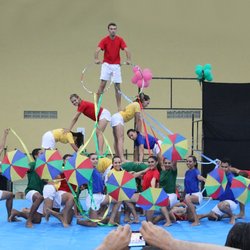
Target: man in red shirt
111, 70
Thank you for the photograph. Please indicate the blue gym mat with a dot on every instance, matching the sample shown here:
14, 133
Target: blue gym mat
52, 235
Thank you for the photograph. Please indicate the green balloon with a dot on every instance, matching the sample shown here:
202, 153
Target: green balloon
199, 70
208, 66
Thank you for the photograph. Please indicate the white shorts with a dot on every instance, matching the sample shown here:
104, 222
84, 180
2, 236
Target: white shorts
198, 194
111, 72
156, 150
48, 141
172, 199
117, 119
49, 191
1, 194
29, 197
58, 199
97, 201
105, 115
233, 206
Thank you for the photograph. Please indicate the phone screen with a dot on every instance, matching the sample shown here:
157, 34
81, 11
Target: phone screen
136, 240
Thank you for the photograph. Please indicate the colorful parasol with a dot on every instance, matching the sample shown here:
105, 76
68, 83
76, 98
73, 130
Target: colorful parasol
174, 147
78, 169
49, 164
153, 199
121, 185
216, 182
15, 165
240, 187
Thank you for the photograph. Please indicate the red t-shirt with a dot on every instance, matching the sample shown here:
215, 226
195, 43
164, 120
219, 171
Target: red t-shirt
88, 109
148, 176
112, 49
64, 186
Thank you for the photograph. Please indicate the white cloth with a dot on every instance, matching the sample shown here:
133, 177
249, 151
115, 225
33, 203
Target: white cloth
48, 141
111, 72
117, 119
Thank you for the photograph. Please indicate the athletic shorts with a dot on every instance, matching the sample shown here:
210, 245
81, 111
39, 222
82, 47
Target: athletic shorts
117, 119
97, 201
233, 206
172, 199
105, 115
49, 191
29, 197
198, 194
156, 149
1, 194
48, 141
58, 199
111, 72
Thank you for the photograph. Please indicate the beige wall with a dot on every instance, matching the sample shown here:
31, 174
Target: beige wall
46, 44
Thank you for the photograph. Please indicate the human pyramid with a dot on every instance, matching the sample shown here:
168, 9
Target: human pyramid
59, 196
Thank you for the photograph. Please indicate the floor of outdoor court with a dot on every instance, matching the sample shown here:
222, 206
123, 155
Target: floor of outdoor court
52, 235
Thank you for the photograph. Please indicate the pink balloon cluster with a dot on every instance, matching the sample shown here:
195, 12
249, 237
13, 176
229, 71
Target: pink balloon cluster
141, 77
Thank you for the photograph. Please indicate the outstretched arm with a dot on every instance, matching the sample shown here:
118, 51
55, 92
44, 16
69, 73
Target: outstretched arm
3, 141
74, 120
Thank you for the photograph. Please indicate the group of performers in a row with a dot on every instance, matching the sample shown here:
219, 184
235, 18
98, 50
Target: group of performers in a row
56, 198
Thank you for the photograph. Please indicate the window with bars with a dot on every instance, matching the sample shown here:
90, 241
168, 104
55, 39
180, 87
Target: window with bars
183, 114
40, 114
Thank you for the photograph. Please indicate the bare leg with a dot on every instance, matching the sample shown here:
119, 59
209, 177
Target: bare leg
119, 137
165, 213
8, 196
102, 124
118, 95
114, 213
15, 213
191, 212
88, 223
131, 206
149, 215
68, 202
101, 89
241, 215
37, 200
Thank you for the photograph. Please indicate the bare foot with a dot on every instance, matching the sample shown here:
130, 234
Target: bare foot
12, 217
240, 216
195, 223
29, 224
232, 220
167, 224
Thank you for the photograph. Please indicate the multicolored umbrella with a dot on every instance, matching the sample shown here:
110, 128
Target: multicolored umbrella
15, 165
78, 169
121, 185
49, 164
153, 199
216, 182
174, 147
240, 187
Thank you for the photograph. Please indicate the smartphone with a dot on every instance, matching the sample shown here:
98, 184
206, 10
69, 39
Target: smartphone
137, 240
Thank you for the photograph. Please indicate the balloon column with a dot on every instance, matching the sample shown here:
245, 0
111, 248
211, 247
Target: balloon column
204, 72
141, 77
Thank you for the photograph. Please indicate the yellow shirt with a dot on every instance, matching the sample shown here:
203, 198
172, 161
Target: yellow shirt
103, 164
129, 112
62, 137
